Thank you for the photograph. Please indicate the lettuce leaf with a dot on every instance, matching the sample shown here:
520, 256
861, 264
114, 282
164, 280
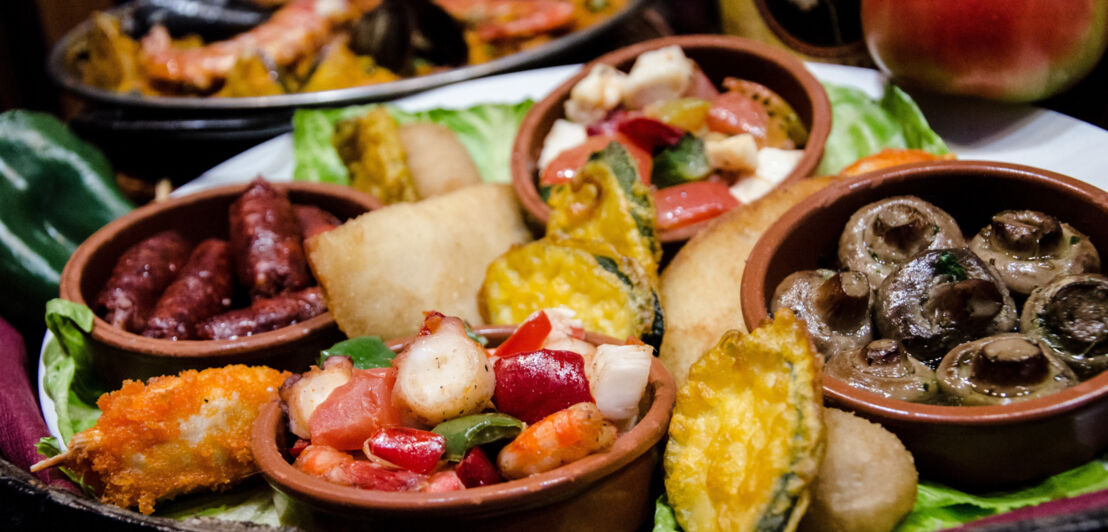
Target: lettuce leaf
861, 126
487, 131
664, 520
69, 379
938, 506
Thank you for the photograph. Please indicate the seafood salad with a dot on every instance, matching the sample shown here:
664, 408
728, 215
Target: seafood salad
702, 151
447, 414
246, 48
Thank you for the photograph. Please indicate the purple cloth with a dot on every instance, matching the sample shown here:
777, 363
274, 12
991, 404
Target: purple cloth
21, 423
1072, 505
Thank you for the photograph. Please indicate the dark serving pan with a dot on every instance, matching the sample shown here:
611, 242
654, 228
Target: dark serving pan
66, 75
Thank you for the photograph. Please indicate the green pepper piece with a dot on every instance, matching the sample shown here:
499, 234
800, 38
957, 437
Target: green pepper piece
683, 162
364, 351
55, 191
466, 432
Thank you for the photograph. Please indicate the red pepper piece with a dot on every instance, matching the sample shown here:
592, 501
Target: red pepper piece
444, 481
476, 469
413, 449
534, 385
298, 447
609, 125
368, 475
431, 322
650, 134
528, 337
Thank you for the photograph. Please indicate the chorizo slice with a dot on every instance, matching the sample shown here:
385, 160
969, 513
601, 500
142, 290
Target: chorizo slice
265, 242
203, 289
139, 278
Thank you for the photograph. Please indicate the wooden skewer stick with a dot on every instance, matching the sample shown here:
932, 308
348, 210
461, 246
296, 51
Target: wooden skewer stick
50, 462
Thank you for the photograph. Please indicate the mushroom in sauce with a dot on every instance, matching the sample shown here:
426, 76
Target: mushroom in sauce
941, 298
884, 234
884, 367
1002, 369
835, 306
1029, 248
1070, 316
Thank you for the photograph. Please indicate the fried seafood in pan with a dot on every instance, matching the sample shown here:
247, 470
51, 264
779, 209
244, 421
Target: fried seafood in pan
172, 435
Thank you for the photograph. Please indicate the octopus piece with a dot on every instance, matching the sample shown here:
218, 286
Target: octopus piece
884, 367
1002, 369
834, 306
884, 234
1029, 248
1070, 316
941, 298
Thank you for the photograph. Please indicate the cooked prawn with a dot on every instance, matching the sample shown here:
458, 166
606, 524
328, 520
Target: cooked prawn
295, 30
173, 435
562, 437
509, 19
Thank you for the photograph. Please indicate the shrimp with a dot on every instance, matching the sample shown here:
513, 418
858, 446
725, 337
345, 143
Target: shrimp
295, 30
342, 468
494, 20
562, 437
173, 435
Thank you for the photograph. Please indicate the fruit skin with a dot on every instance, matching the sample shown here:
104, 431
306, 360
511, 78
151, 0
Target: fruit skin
1008, 50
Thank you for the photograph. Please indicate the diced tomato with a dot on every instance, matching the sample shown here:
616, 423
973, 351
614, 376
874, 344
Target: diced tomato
476, 469
650, 134
368, 475
733, 113
686, 204
444, 481
701, 87
356, 410
527, 338
534, 385
431, 322
298, 447
566, 165
413, 449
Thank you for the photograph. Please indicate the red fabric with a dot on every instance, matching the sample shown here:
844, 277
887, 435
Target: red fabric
21, 423
1072, 505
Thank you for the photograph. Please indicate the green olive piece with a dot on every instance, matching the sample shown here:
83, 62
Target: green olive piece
1070, 316
1002, 369
885, 368
1030, 248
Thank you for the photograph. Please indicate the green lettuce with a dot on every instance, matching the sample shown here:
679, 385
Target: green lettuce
664, 520
487, 131
68, 379
861, 126
364, 351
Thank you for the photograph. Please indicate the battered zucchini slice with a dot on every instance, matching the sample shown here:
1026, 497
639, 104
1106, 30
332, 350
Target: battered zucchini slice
369, 146
608, 202
747, 436
608, 295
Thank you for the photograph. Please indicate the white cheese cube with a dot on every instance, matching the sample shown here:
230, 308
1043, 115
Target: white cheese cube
597, 93
737, 153
775, 164
750, 189
563, 135
658, 75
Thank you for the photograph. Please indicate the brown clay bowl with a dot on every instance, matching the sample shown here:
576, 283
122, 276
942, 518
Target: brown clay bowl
964, 445
604, 491
719, 57
119, 354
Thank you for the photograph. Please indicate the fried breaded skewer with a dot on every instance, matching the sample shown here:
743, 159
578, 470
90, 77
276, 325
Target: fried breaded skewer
172, 435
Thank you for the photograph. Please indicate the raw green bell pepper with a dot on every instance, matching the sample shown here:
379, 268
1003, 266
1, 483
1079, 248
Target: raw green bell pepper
466, 432
55, 191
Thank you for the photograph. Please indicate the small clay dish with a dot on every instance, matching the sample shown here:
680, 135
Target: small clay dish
604, 491
964, 445
119, 354
719, 57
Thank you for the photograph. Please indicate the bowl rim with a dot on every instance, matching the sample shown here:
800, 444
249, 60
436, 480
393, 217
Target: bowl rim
523, 167
533, 491
69, 286
753, 297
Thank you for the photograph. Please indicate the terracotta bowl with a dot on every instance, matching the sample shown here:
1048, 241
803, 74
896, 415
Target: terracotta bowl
123, 355
965, 445
719, 57
604, 491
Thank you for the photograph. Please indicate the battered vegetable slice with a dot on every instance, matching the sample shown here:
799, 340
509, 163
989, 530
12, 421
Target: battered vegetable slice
369, 146
607, 293
747, 436
173, 435
607, 202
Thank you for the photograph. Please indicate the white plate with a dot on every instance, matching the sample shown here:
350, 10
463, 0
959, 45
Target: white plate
972, 129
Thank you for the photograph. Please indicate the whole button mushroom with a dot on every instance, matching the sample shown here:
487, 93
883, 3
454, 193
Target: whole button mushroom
1002, 369
1029, 248
885, 368
941, 298
834, 306
1070, 316
884, 234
